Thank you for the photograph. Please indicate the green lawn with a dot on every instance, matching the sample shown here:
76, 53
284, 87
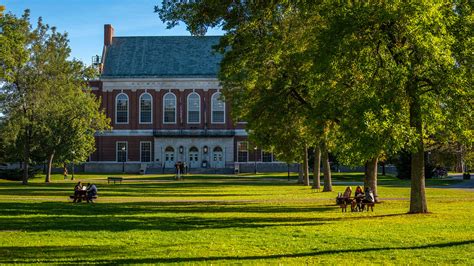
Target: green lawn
243, 219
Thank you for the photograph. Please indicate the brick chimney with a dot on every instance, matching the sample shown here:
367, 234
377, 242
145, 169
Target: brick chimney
108, 34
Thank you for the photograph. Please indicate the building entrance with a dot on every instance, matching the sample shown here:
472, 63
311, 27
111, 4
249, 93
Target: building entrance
169, 157
194, 158
217, 158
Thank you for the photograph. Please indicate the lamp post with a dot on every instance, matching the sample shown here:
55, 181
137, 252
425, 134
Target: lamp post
255, 159
123, 159
72, 173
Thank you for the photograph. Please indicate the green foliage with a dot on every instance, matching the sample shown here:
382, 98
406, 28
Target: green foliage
382, 76
47, 109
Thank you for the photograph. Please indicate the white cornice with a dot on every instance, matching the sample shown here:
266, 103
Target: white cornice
159, 84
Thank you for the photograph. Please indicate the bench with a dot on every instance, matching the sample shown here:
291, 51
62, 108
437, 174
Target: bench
354, 207
114, 179
83, 197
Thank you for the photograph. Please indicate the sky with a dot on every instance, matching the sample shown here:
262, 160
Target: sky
84, 20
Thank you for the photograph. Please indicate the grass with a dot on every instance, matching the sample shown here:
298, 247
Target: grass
246, 219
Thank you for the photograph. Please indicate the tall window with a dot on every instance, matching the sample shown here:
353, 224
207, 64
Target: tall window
194, 108
267, 156
121, 109
122, 151
242, 151
169, 106
146, 108
145, 151
218, 108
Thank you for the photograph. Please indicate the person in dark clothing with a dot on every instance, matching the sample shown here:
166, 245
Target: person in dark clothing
91, 192
369, 196
358, 197
77, 192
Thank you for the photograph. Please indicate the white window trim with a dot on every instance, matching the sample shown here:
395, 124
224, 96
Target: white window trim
212, 109
140, 109
128, 109
261, 156
117, 151
151, 152
238, 150
175, 108
187, 109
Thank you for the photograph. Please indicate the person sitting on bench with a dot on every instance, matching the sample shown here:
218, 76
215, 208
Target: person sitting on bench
345, 197
358, 197
369, 196
91, 192
77, 192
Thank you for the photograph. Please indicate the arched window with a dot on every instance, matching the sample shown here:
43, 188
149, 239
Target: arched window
218, 108
169, 108
194, 108
217, 149
146, 103
121, 109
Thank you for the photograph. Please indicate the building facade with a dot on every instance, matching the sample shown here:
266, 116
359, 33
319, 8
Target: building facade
164, 101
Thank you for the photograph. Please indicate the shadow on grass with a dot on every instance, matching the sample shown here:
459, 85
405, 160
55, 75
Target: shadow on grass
163, 216
56, 254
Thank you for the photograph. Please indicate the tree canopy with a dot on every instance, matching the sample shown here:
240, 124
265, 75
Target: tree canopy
47, 110
386, 75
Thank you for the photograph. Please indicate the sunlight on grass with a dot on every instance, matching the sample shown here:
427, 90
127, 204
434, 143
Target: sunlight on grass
249, 219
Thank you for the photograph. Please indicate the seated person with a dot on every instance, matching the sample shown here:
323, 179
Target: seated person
358, 196
345, 197
91, 191
77, 192
369, 196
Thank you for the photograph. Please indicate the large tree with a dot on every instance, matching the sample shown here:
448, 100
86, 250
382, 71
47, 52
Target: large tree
410, 52
44, 105
400, 67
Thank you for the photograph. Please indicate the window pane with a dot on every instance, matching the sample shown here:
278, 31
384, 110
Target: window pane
266, 156
170, 108
193, 116
146, 151
218, 116
121, 151
242, 147
218, 109
145, 108
194, 108
122, 109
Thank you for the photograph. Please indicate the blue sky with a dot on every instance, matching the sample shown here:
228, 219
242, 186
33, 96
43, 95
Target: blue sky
84, 20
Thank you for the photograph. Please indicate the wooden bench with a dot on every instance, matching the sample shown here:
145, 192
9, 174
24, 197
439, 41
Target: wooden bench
352, 204
114, 179
83, 197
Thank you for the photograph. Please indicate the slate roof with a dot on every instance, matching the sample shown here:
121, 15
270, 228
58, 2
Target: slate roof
162, 56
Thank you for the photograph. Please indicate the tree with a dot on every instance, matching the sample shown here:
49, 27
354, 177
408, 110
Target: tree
45, 108
412, 49
403, 68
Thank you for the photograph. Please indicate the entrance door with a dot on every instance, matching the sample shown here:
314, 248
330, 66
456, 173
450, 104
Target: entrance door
194, 157
217, 158
169, 157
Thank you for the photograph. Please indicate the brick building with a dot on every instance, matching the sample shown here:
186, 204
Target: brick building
164, 101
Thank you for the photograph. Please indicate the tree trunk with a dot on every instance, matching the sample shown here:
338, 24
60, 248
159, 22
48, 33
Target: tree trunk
50, 164
326, 169
26, 158
417, 195
305, 166
366, 174
300, 174
317, 168
372, 176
